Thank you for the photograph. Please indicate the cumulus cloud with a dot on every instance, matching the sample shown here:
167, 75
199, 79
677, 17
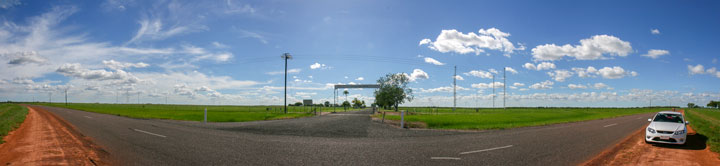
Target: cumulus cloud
77, 71
115, 65
547, 84
417, 74
576, 86
433, 61
560, 75
289, 71
589, 49
487, 85
26, 57
458, 77
600, 85
615, 72
654, 54
585, 72
479, 73
458, 42
360, 79
443, 89
317, 66
511, 70
697, 69
517, 84
655, 31
539, 66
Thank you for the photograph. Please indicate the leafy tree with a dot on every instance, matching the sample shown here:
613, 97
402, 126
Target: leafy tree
393, 90
298, 104
691, 105
346, 104
327, 103
357, 103
346, 93
715, 104
363, 104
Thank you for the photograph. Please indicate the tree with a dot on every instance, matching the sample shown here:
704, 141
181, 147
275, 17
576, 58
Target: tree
346, 93
691, 105
357, 103
393, 90
298, 104
715, 104
346, 104
327, 103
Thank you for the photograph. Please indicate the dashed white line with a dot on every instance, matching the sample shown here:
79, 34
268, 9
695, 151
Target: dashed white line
610, 125
496, 148
138, 130
88, 117
444, 158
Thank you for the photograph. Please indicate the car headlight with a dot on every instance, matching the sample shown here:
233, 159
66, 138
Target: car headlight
679, 132
651, 130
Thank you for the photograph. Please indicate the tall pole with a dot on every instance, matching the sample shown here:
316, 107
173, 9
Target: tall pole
493, 87
127, 96
504, 89
454, 89
49, 97
286, 56
138, 97
65, 97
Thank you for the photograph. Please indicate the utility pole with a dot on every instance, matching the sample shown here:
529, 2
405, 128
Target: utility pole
286, 56
127, 96
116, 97
166, 96
454, 89
49, 97
138, 97
65, 97
493, 87
504, 89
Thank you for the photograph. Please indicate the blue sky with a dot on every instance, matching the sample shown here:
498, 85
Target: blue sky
561, 53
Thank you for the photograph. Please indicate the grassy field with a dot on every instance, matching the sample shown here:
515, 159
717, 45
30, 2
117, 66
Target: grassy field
11, 116
195, 112
707, 123
486, 118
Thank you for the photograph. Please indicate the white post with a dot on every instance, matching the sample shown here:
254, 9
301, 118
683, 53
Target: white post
205, 114
402, 119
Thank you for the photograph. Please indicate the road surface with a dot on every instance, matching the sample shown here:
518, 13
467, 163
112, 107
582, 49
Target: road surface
350, 138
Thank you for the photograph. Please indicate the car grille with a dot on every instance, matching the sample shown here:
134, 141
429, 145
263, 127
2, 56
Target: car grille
665, 132
668, 140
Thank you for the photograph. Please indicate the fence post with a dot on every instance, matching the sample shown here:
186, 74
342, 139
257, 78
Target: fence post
383, 119
402, 119
205, 114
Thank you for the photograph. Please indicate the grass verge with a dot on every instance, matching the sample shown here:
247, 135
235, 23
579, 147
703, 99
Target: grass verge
189, 112
11, 116
707, 123
481, 119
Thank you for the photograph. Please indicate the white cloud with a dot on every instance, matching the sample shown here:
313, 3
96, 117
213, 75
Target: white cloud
219, 45
511, 70
576, 86
711, 70
487, 85
539, 66
290, 71
654, 54
655, 31
615, 72
26, 57
443, 89
542, 85
560, 75
417, 74
248, 34
152, 29
479, 73
698, 69
600, 85
318, 66
115, 65
585, 72
77, 71
517, 84
458, 77
458, 42
433, 61
360, 79
589, 49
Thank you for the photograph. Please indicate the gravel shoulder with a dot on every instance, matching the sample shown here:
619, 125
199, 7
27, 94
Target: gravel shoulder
45, 139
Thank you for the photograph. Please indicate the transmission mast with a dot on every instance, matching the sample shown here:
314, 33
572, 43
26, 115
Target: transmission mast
493, 87
454, 89
504, 89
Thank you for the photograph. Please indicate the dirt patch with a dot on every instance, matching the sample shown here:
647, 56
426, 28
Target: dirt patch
634, 151
45, 139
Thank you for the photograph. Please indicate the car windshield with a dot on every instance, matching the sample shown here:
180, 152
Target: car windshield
674, 118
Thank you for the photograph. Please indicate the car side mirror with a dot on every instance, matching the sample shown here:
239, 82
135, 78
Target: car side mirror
649, 120
687, 122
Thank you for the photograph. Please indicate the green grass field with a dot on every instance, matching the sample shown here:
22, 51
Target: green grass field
485, 118
707, 123
195, 112
11, 116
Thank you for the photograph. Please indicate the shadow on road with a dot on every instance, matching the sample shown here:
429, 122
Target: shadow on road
694, 142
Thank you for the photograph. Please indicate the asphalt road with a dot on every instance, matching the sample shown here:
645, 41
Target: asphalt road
342, 139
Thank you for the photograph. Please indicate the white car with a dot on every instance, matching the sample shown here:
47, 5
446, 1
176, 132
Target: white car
667, 127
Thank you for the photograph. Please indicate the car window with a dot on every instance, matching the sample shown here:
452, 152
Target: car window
675, 118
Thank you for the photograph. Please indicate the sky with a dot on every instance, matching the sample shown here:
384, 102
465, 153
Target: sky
555, 53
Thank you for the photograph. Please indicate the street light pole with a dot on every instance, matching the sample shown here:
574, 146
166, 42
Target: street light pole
286, 56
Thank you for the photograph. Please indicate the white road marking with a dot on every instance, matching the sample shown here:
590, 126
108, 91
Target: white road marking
639, 117
496, 148
444, 158
610, 125
88, 117
138, 130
